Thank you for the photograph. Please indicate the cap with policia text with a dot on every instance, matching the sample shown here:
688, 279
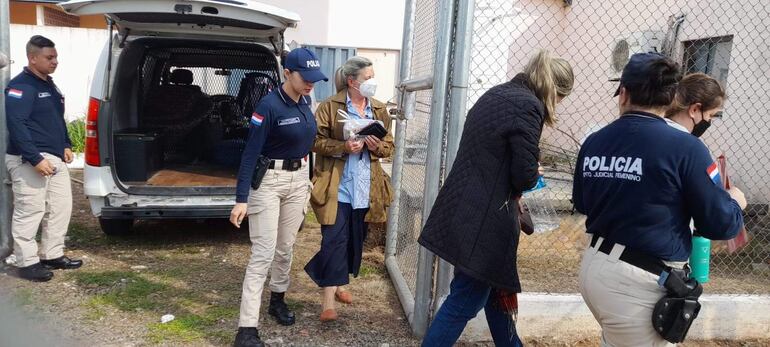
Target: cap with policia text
306, 63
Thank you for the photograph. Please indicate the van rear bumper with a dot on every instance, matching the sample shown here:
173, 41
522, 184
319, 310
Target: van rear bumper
165, 212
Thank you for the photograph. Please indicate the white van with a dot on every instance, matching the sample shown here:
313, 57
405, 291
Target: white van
167, 118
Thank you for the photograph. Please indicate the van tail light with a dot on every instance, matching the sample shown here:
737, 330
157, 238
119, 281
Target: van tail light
92, 133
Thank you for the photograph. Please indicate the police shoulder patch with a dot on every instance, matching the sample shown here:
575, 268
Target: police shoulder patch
257, 119
713, 172
15, 93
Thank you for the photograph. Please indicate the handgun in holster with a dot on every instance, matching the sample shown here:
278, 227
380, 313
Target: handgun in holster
263, 163
674, 313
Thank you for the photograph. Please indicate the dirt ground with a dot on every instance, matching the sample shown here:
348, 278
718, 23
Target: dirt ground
193, 270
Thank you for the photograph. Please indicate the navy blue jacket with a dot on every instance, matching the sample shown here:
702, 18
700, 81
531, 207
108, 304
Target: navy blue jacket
640, 181
279, 129
34, 111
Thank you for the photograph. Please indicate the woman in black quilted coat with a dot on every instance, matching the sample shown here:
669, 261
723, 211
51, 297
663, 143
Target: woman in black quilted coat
474, 223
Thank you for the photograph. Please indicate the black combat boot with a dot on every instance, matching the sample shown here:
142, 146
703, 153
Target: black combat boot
248, 337
279, 310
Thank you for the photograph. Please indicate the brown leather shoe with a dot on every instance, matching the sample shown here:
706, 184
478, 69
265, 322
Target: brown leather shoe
344, 297
329, 315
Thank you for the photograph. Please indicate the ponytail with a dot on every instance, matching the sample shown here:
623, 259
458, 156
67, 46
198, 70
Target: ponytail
339, 80
550, 77
697, 88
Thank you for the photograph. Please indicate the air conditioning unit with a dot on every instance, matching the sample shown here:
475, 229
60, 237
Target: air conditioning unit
625, 47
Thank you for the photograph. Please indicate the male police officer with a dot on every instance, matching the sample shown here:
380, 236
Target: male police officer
38, 148
639, 181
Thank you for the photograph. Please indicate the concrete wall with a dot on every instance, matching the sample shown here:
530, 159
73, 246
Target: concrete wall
366, 23
78, 50
346, 23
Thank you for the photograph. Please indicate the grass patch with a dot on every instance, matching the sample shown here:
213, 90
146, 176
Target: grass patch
81, 233
23, 297
96, 308
367, 270
127, 291
186, 329
294, 305
310, 218
191, 327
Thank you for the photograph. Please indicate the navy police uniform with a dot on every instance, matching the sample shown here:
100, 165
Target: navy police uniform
34, 110
35, 118
279, 129
282, 130
639, 181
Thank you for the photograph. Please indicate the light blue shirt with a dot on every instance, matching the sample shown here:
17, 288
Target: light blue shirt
356, 178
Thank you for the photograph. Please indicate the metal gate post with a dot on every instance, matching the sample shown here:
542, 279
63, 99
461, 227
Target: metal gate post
6, 240
461, 57
425, 265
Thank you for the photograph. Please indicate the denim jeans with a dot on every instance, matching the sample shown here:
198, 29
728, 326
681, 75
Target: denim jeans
467, 296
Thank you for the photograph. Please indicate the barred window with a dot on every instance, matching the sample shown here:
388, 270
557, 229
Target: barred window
710, 56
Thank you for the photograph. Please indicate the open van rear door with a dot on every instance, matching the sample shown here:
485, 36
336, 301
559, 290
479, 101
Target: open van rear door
224, 19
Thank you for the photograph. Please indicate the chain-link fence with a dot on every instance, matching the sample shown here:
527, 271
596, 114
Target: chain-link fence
411, 160
728, 40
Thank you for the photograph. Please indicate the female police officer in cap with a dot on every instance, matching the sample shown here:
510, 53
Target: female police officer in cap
639, 181
282, 130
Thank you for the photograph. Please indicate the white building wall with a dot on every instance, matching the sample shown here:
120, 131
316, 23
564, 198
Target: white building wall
346, 23
584, 34
78, 51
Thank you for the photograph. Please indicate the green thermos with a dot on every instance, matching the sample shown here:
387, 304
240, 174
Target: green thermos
700, 258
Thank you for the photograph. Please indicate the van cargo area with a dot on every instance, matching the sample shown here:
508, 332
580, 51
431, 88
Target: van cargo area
180, 112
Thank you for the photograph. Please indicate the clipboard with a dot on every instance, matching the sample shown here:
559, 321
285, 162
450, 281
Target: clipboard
742, 239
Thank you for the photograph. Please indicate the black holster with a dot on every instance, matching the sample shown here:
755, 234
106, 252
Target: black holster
673, 314
263, 163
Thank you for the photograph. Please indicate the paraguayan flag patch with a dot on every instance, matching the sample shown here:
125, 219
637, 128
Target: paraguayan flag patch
15, 93
257, 119
713, 172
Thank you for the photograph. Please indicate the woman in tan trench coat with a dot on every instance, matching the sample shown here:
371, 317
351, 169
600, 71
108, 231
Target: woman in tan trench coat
350, 189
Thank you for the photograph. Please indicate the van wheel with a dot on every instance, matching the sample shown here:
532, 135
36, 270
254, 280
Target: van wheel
116, 227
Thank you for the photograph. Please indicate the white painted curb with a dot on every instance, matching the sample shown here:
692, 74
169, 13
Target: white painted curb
565, 316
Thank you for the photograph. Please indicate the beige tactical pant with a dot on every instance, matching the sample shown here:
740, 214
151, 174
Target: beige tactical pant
276, 212
39, 202
621, 297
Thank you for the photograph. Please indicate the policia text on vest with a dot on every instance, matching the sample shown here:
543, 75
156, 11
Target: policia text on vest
628, 168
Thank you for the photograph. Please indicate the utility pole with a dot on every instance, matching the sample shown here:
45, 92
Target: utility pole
6, 240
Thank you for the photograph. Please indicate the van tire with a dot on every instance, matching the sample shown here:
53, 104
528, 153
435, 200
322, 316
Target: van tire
116, 227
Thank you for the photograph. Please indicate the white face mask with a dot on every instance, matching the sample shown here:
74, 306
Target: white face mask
368, 88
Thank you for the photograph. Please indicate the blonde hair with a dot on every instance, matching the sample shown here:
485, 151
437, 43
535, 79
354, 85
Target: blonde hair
351, 68
550, 77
